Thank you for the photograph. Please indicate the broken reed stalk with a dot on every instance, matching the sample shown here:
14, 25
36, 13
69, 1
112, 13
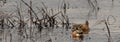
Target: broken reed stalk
31, 9
65, 19
2, 20
11, 23
109, 35
90, 11
45, 15
10, 37
67, 22
21, 25
64, 8
30, 12
112, 3
31, 21
45, 7
2, 23
51, 16
94, 8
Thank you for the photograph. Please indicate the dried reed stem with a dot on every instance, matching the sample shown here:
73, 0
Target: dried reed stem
109, 35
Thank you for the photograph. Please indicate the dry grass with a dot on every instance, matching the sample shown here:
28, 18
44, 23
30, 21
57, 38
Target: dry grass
32, 26
107, 24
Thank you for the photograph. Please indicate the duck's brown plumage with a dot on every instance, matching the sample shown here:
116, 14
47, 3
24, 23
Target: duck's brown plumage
85, 27
82, 28
77, 35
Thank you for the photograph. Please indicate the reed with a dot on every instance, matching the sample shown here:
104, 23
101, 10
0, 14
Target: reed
109, 34
94, 8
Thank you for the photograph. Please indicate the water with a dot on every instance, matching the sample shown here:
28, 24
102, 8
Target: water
77, 14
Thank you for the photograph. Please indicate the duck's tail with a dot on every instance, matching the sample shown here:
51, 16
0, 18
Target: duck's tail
87, 23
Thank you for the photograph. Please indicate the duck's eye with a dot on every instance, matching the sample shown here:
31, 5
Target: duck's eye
81, 33
77, 28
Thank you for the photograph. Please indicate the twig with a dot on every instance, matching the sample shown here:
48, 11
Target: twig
109, 35
30, 8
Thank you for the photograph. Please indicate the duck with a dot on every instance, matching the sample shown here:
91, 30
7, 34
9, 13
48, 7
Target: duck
79, 29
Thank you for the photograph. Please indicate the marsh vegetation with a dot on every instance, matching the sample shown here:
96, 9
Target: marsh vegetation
52, 20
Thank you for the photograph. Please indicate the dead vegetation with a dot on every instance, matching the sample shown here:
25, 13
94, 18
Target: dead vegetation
107, 24
27, 28
32, 26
